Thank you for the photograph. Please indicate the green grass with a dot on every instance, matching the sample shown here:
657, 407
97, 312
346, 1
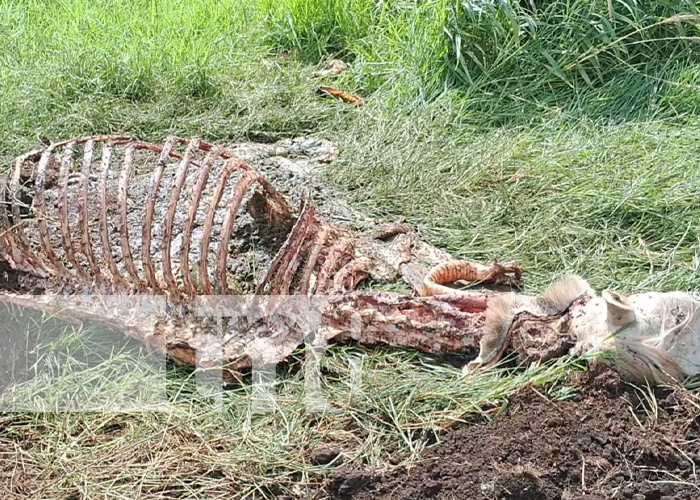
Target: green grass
152, 68
563, 135
617, 204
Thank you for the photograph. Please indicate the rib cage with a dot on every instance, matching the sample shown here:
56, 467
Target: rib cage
72, 211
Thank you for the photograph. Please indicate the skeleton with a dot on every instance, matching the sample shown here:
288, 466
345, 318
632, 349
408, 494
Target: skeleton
174, 229
177, 221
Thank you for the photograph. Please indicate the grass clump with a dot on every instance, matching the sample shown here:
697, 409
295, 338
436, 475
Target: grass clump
317, 30
510, 59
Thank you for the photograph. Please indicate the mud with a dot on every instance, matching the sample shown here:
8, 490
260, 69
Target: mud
607, 443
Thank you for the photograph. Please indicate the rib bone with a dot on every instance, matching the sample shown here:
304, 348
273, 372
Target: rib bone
123, 213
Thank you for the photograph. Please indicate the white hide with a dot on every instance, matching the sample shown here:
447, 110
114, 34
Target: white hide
653, 336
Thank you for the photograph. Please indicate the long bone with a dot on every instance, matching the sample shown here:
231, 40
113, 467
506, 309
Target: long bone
206, 287
117, 278
85, 244
40, 204
66, 163
153, 186
170, 214
15, 231
282, 269
202, 179
123, 212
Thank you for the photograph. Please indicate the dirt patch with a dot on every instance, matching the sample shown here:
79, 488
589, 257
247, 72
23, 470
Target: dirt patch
604, 444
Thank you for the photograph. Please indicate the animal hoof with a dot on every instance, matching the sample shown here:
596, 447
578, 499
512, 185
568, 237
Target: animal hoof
470, 367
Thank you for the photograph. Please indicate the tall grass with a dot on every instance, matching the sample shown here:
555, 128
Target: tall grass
570, 42
560, 52
230, 69
511, 58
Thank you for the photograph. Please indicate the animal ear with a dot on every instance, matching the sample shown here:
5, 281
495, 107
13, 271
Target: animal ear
620, 311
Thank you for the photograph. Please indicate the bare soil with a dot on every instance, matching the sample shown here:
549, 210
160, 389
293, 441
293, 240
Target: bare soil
607, 443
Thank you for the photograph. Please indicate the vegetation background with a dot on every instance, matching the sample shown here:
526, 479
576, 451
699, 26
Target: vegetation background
564, 134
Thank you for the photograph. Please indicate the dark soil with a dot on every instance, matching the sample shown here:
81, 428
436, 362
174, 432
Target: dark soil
591, 447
